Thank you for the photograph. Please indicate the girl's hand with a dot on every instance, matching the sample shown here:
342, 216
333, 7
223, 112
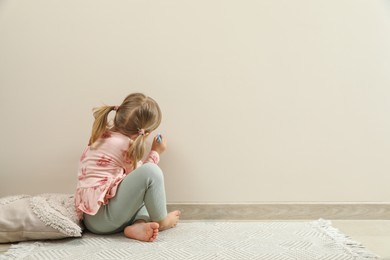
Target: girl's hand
159, 144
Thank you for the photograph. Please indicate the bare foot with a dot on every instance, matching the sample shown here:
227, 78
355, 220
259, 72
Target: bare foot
170, 221
142, 231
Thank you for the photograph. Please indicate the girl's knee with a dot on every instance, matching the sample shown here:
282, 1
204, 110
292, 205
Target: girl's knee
153, 171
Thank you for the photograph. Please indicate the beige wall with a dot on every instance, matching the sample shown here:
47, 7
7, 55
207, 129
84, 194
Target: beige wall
263, 101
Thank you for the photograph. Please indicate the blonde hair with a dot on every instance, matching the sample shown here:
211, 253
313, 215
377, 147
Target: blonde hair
137, 115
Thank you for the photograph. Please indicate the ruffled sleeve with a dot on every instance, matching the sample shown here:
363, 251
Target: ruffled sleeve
153, 157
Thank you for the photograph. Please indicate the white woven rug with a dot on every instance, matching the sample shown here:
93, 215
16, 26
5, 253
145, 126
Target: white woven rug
207, 240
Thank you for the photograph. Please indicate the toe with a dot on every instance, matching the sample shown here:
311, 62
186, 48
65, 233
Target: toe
154, 225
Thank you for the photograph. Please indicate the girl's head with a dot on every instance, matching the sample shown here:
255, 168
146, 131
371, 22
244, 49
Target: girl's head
136, 117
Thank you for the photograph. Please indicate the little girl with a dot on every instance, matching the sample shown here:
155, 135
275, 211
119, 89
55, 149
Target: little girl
116, 191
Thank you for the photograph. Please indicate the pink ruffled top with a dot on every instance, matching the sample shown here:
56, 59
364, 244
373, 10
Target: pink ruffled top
101, 169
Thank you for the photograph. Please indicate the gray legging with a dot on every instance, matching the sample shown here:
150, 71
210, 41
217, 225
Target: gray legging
141, 195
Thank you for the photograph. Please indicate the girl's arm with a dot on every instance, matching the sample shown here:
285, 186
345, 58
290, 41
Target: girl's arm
158, 147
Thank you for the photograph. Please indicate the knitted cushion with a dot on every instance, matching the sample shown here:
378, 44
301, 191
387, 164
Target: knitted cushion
46, 216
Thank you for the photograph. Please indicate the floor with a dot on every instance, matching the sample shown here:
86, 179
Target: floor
373, 234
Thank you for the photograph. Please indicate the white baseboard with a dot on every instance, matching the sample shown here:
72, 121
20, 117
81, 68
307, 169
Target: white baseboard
282, 211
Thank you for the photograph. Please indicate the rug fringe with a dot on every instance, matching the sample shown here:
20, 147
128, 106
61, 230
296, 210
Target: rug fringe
356, 248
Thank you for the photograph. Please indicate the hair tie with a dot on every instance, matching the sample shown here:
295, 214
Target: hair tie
141, 131
116, 108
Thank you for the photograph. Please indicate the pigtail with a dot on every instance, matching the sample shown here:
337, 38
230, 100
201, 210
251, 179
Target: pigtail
137, 150
100, 125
